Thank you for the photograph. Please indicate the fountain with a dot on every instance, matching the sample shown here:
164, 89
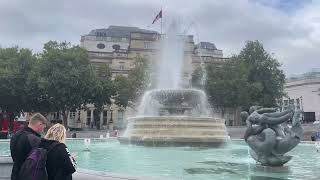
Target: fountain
87, 142
172, 115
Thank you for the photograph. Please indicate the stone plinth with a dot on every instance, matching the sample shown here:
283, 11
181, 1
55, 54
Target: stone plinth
175, 130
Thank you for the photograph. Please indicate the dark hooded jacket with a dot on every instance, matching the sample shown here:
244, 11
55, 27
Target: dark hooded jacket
60, 164
20, 147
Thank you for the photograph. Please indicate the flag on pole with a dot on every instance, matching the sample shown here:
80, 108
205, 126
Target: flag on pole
159, 15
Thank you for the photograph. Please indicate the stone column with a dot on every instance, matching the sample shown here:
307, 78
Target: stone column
101, 119
91, 119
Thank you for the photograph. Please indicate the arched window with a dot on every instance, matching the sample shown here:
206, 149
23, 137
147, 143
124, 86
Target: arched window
101, 46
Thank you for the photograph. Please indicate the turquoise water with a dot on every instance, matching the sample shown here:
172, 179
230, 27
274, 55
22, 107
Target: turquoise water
230, 162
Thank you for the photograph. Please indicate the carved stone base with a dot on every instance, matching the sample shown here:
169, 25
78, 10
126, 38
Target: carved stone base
175, 131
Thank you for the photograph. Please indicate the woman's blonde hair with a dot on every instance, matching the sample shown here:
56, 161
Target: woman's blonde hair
57, 132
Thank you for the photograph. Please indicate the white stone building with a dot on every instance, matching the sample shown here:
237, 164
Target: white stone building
118, 46
304, 92
208, 49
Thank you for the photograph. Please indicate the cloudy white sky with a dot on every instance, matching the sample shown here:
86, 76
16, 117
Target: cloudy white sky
290, 29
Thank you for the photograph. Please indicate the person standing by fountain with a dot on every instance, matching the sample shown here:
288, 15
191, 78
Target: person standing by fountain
60, 164
20, 145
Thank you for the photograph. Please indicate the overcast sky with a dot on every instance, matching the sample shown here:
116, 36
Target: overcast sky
289, 29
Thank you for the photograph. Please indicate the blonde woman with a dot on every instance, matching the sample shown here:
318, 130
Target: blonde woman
60, 163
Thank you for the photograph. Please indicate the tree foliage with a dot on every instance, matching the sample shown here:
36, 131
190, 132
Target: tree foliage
227, 86
264, 74
198, 78
104, 88
70, 80
253, 77
17, 70
132, 87
59, 79
124, 91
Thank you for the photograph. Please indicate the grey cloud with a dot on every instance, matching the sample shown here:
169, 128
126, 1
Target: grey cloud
228, 23
29, 18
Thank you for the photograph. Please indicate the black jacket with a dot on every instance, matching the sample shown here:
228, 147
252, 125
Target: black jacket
20, 147
60, 164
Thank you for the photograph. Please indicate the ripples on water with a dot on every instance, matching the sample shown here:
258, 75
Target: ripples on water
189, 163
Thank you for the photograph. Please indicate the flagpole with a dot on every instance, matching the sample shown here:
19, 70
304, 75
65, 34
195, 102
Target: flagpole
161, 21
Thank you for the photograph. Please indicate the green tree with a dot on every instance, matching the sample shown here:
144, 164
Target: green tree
139, 77
104, 87
102, 90
227, 85
251, 78
18, 80
132, 87
67, 76
198, 78
264, 74
123, 89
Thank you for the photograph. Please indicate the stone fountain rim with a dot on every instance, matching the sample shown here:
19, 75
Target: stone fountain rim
176, 89
206, 118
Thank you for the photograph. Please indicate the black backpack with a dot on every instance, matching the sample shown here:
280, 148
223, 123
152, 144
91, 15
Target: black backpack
34, 167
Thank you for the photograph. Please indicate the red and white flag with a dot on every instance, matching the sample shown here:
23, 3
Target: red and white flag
159, 15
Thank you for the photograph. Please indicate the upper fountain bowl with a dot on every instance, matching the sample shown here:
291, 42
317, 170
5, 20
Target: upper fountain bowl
174, 102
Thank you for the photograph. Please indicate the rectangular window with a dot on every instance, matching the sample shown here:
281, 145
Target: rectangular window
120, 116
298, 103
291, 101
55, 115
147, 45
72, 114
285, 104
121, 66
88, 117
105, 117
230, 122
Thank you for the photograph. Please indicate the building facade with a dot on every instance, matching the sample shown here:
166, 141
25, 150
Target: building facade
304, 92
118, 47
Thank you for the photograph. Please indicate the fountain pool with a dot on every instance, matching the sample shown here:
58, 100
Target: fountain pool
188, 163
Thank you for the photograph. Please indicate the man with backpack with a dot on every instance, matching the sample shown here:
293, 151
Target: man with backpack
24, 141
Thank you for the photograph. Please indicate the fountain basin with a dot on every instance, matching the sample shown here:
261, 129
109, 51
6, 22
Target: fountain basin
175, 131
231, 161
